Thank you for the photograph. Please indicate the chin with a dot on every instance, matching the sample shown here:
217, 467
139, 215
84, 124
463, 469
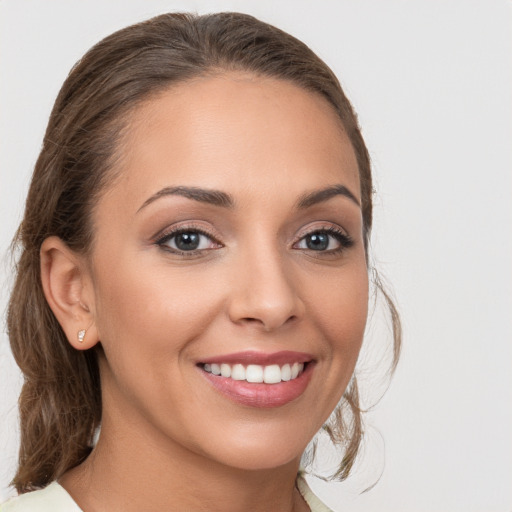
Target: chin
260, 451
262, 460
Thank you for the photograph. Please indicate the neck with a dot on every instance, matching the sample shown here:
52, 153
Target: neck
132, 469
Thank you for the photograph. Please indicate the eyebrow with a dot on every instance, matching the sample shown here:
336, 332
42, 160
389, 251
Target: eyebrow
214, 197
318, 196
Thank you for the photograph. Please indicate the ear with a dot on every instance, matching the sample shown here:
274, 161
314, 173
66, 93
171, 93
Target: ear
67, 286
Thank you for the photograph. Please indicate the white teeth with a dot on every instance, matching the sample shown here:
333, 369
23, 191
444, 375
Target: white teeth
286, 372
237, 372
255, 373
272, 374
295, 370
225, 370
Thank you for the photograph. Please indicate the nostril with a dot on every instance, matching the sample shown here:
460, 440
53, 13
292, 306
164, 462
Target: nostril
268, 323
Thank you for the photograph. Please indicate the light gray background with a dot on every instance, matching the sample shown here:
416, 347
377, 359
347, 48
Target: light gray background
432, 83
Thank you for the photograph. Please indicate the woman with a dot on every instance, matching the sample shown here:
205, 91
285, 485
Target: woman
193, 274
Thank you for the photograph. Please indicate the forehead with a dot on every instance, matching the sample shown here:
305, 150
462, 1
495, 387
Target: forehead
235, 131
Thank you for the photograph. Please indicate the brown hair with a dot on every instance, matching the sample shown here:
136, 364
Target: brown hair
60, 402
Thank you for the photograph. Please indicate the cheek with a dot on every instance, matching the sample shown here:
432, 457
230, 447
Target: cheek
343, 321
150, 316
340, 312
152, 311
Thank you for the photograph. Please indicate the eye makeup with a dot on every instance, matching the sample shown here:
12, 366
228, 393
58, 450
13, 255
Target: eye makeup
187, 240
192, 240
321, 240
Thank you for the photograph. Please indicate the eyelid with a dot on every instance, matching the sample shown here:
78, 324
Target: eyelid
168, 233
321, 226
187, 225
332, 229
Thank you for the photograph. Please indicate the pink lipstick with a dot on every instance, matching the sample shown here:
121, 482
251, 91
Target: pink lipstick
259, 379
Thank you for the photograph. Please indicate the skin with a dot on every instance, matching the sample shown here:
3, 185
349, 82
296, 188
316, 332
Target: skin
168, 437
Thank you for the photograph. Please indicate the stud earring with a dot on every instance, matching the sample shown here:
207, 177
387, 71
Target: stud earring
81, 335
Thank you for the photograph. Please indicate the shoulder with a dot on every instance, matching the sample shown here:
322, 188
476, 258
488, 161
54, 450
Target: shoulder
53, 498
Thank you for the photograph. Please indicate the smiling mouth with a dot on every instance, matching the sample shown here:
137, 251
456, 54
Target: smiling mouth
256, 379
255, 373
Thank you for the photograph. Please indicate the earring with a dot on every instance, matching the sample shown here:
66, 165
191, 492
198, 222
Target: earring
81, 335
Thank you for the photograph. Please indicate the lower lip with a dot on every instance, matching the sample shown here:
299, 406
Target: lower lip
261, 395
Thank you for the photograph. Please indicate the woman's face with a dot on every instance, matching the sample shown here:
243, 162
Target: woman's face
231, 240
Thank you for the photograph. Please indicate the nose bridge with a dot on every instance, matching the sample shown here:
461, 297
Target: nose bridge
265, 291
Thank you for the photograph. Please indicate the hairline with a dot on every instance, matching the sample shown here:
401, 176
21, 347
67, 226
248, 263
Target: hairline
121, 124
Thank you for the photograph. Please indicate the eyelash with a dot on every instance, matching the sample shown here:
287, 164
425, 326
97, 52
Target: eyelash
166, 237
345, 241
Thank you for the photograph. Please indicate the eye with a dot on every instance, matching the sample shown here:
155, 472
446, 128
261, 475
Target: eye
330, 240
187, 241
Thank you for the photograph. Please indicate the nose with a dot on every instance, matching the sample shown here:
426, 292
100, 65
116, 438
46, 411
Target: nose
265, 292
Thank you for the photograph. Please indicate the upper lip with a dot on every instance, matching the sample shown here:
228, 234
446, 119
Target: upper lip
261, 358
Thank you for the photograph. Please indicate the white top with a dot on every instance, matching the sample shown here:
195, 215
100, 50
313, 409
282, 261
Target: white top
313, 502
54, 498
